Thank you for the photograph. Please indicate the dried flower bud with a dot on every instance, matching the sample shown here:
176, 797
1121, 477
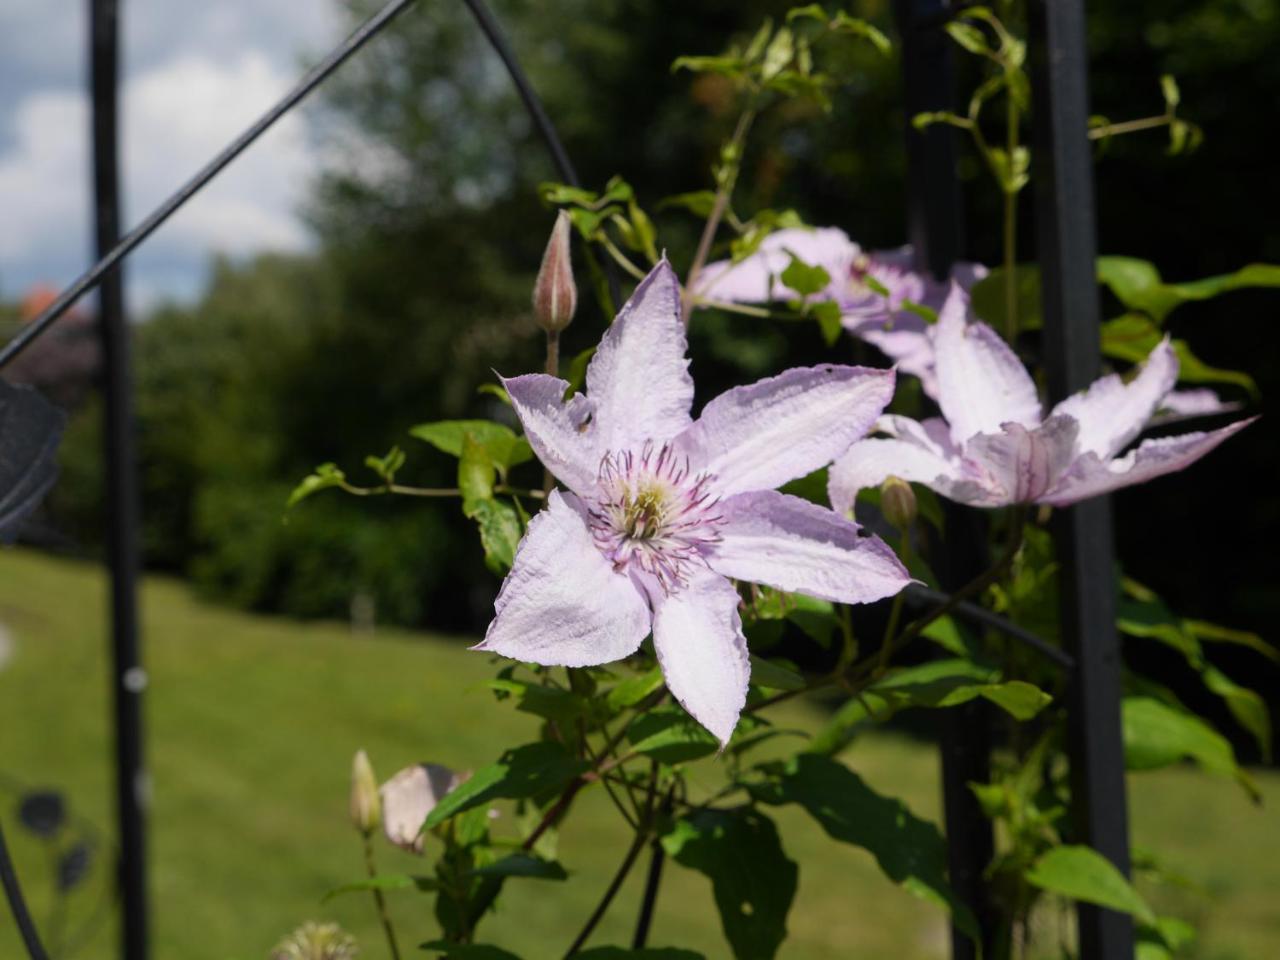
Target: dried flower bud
366, 808
409, 796
554, 295
898, 503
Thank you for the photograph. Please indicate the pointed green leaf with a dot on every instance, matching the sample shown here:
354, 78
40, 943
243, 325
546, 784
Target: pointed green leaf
325, 476
752, 879
524, 772
522, 865
1082, 873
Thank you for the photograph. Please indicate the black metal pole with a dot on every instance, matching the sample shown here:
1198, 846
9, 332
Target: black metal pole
1063, 168
935, 228
128, 677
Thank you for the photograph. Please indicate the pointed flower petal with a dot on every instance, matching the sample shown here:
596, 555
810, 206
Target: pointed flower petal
755, 279
1024, 464
560, 433
797, 546
639, 378
1111, 412
981, 382
697, 634
760, 436
563, 603
869, 463
1090, 476
1189, 404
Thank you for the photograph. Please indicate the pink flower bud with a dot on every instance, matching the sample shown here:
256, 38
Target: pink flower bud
366, 808
554, 295
409, 796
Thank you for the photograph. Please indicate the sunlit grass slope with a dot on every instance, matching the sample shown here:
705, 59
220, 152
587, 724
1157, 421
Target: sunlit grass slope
252, 722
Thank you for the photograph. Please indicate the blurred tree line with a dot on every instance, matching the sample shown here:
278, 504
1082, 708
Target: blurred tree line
429, 231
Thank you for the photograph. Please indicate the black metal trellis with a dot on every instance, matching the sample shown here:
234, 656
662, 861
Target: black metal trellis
1064, 208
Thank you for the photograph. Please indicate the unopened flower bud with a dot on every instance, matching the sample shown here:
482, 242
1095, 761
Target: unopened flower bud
409, 796
898, 503
366, 807
554, 295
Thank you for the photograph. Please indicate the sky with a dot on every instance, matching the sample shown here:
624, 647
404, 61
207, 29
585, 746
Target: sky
195, 73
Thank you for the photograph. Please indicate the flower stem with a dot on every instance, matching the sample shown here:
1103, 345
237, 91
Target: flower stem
553, 370
379, 901
1011, 225
628, 861
728, 177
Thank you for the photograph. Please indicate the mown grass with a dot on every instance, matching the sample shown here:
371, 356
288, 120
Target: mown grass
252, 722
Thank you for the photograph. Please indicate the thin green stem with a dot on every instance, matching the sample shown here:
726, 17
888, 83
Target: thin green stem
1010, 225
379, 901
437, 492
1130, 126
723, 191
621, 258
628, 861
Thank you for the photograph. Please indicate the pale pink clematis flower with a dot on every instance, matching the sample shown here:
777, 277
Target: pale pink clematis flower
996, 447
662, 510
882, 321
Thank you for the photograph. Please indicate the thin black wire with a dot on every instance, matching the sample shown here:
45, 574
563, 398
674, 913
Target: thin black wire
312, 79
26, 926
920, 596
559, 156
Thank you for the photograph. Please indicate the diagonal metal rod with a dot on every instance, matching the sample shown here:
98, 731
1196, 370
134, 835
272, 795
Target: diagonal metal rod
12, 891
559, 156
919, 596
90, 278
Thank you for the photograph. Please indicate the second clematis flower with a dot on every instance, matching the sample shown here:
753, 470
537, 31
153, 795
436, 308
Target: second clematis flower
995, 446
880, 319
663, 511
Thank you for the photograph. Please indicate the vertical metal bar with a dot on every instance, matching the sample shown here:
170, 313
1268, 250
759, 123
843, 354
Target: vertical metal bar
128, 677
935, 228
934, 221
1063, 168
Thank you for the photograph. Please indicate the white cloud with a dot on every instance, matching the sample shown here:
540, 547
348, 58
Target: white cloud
175, 117
197, 73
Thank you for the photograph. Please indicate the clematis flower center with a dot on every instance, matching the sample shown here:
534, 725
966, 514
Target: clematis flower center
650, 512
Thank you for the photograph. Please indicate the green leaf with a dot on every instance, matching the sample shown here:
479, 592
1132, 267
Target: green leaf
1133, 336
476, 473
1158, 735
857, 27
1082, 873
386, 467
500, 532
1247, 706
728, 66
504, 447
969, 37
1137, 284
1169, 89
578, 371
700, 202
752, 879
551, 703
987, 298
522, 865
325, 476
385, 881
937, 684
910, 851
766, 673
778, 54
669, 735
468, 951
1214, 633
634, 689
524, 772
804, 279
812, 487
827, 313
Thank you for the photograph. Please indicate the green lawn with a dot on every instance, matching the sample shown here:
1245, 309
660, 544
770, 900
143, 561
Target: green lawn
252, 723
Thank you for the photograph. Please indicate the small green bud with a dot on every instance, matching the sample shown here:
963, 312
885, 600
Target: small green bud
898, 503
366, 807
555, 297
